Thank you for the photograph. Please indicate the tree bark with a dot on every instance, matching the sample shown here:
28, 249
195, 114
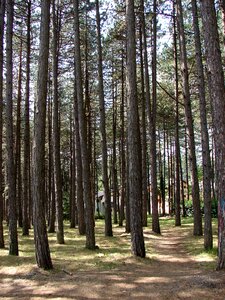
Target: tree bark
56, 128
42, 251
206, 162
13, 238
155, 214
89, 215
26, 155
189, 121
134, 142
217, 93
2, 25
108, 218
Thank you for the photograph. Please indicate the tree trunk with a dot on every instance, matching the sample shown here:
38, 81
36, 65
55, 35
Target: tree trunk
208, 239
13, 238
123, 158
89, 216
2, 25
217, 93
143, 134
56, 128
189, 121
177, 140
18, 143
26, 155
155, 214
134, 142
79, 185
108, 218
40, 233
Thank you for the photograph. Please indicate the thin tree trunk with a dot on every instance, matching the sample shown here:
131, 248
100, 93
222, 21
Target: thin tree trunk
13, 238
40, 233
123, 158
18, 143
155, 214
26, 153
2, 25
134, 142
114, 160
208, 239
89, 215
189, 121
217, 93
56, 128
177, 140
143, 140
108, 219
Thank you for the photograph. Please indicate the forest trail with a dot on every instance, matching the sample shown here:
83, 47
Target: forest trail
169, 273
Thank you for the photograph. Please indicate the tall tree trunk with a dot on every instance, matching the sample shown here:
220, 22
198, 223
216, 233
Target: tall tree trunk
123, 158
134, 143
177, 140
189, 121
89, 215
208, 239
143, 135
114, 160
217, 93
2, 25
13, 238
108, 218
18, 142
56, 128
79, 175
40, 233
155, 214
26, 153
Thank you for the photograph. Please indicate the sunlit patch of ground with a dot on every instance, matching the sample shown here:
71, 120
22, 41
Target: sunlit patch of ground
176, 267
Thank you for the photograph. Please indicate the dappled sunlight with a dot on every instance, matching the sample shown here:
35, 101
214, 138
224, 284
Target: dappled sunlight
175, 263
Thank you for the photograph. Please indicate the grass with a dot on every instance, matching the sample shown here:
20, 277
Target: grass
113, 251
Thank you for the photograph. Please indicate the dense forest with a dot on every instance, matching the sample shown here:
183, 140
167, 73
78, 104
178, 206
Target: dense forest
113, 110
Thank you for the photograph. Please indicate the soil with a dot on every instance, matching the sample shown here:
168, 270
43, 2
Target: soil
171, 274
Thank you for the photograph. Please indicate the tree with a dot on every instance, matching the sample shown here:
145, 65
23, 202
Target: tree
155, 216
208, 240
26, 153
56, 127
2, 16
42, 251
108, 218
134, 142
189, 120
217, 93
11, 181
89, 217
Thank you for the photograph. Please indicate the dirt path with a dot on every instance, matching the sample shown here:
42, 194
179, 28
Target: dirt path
173, 274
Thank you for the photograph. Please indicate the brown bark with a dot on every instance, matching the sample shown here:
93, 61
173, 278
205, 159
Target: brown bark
2, 25
38, 165
56, 128
155, 214
217, 94
208, 239
189, 121
89, 215
26, 155
134, 142
13, 238
108, 218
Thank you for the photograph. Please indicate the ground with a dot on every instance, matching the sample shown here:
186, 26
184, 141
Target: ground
170, 271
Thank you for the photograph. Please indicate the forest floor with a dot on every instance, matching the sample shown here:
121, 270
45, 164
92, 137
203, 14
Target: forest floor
175, 268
